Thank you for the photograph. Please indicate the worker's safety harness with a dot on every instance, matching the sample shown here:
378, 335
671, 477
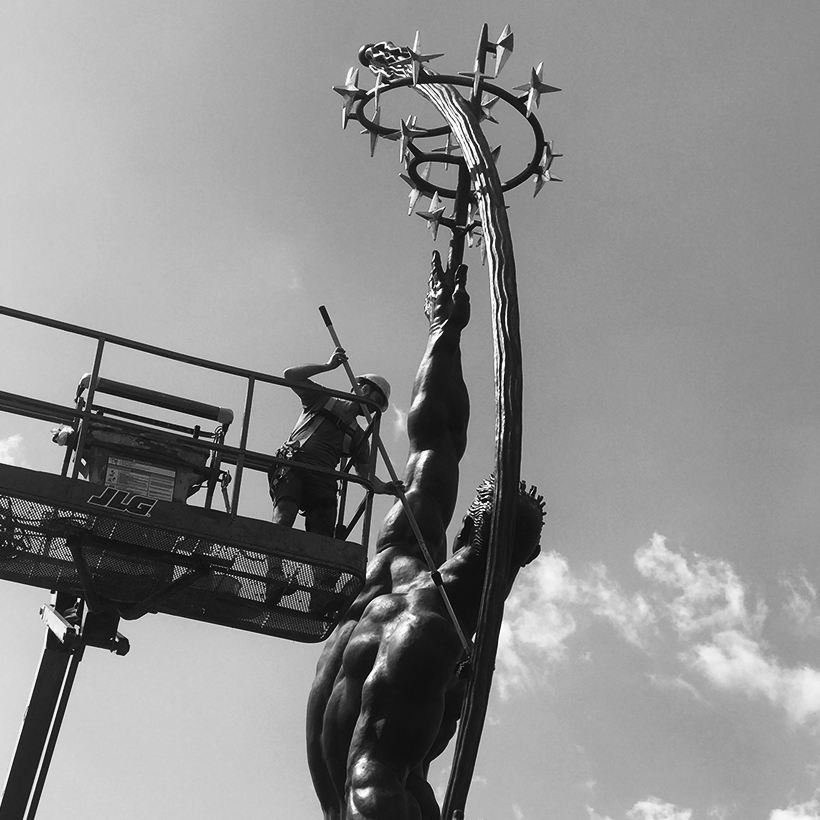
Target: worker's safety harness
307, 424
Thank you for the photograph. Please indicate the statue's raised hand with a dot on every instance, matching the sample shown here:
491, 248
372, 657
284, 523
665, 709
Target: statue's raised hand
447, 303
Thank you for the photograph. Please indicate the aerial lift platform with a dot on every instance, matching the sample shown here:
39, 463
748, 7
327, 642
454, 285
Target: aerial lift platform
114, 535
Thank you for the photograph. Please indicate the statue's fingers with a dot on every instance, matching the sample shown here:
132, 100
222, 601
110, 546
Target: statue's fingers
436, 271
461, 276
435, 263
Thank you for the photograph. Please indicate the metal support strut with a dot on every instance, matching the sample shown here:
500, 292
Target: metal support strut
64, 646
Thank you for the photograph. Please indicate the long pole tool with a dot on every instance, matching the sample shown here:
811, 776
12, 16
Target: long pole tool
402, 496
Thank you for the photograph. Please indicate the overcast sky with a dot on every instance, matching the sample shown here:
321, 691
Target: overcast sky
175, 172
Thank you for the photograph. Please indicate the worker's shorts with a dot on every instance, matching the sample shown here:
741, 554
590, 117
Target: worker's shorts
309, 490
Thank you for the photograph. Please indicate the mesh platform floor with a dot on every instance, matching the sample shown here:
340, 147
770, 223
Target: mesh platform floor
261, 590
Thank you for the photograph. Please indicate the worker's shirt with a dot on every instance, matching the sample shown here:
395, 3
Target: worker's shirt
336, 434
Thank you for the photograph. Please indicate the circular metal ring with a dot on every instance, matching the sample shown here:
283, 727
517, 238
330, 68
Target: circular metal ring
452, 79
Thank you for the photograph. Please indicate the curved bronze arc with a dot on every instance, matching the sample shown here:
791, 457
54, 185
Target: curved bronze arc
482, 177
478, 175
426, 186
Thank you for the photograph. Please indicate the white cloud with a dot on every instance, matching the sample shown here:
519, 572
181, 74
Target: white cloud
675, 683
654, 809
537, 622
650, 809
798, 811
709, 594
542, 613
703, 598
802, 609
399, 423
12, 451
709, 597
734, 661
632, 616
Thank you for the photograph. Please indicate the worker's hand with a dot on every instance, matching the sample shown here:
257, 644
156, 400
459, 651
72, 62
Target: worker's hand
338, 358
394, 488
447, 303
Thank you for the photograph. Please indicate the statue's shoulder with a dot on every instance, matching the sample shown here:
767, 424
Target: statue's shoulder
392, 554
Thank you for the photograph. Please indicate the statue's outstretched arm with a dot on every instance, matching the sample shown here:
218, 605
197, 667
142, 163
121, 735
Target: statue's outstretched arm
437, 422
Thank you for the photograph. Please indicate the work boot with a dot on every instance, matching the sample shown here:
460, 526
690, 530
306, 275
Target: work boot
276, 590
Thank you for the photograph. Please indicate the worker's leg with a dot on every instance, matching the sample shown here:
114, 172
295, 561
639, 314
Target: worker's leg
319, 502
324, 599
286, 492
321, 520
284, 511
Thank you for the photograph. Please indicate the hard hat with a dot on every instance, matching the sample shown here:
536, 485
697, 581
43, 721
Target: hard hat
379, 383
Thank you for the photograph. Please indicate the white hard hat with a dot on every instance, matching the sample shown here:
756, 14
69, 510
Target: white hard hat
378, 382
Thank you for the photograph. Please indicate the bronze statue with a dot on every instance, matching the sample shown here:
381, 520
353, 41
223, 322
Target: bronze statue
387, 694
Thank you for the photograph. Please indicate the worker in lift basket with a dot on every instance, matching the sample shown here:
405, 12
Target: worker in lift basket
326, 430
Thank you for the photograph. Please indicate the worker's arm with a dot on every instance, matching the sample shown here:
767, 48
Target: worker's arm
303, 372
386, 487
362, 467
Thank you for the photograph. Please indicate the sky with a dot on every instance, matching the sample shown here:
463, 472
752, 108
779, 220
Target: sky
176, 173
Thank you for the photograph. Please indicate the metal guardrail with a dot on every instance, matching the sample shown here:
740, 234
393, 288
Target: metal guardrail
240, 456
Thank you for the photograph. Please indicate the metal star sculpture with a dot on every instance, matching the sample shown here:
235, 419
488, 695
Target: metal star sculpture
350, 92
415, 193
503, 49
535, 88
419, 59
435, 216
394, 67
408, 133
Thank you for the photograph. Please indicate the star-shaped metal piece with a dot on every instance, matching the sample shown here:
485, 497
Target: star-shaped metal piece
543, 173
549, 156
503, 49
535, 88
475, 235
477, 76
350, 92
347, 116
434, 216
486, 110
475, 228
480, 243
419, 58
542, 176
447, 149
374, 137
408, 133
416, 193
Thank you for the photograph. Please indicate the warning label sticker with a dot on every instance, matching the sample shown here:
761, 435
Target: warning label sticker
140, 478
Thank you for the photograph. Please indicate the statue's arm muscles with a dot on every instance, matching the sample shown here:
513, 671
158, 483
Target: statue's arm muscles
437, 422
437, 430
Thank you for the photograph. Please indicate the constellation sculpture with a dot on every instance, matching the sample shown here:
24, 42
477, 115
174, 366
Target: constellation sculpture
479, 218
